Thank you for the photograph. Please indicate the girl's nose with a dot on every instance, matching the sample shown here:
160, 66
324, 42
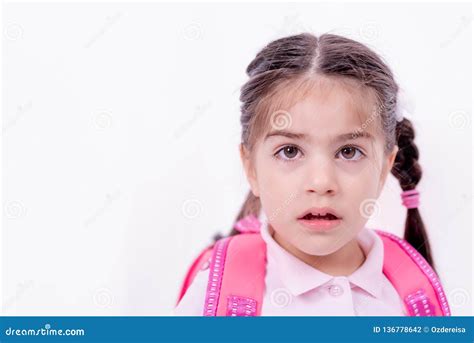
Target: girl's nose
321, 178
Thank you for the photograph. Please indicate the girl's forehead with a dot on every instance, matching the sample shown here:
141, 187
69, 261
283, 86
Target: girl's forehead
322, 104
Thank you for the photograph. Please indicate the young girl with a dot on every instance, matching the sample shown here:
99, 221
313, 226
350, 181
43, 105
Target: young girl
321, 130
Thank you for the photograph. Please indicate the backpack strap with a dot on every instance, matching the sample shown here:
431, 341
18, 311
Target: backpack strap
237, 276
413, 278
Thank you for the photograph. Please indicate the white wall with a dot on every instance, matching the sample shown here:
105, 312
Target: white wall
120, 133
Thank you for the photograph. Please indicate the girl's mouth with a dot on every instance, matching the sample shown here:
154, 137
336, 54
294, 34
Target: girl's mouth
319, 223
327, 216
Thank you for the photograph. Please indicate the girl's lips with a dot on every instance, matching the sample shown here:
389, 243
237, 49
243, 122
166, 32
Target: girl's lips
320, 225
321, 211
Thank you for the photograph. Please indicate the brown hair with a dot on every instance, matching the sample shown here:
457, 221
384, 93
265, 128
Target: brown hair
297, 59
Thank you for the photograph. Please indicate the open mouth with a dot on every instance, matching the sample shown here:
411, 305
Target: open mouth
320, 220
327, 216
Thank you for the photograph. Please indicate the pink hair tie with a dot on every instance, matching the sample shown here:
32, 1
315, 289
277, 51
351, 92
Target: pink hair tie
411, 198
248, 224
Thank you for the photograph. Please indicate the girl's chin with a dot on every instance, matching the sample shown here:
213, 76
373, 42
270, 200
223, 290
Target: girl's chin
319, 252
317, 247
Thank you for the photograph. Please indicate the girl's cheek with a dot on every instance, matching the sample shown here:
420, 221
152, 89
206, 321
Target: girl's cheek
278, 168
359, 166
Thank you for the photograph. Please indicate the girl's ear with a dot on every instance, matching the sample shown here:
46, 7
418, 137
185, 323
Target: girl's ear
249, 169
387, 167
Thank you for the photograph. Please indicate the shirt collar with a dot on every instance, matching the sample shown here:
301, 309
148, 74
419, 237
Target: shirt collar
299, 277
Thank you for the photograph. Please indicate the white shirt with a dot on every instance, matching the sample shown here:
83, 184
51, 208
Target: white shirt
294, 288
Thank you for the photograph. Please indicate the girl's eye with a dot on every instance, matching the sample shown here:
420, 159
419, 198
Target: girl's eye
287, 153
351, 153
290, 152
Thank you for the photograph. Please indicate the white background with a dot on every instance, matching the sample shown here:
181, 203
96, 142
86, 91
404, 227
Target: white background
120, 133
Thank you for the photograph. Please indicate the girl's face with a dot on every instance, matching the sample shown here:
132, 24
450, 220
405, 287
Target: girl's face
319, 153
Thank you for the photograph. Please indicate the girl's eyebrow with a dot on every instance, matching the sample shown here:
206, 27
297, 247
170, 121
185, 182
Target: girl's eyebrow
301, 136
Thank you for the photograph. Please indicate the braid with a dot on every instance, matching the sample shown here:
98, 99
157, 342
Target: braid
408, 172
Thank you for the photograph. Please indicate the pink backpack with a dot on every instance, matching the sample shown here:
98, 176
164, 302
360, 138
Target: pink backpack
237, 275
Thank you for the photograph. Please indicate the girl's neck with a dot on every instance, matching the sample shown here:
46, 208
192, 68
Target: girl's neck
342, 262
